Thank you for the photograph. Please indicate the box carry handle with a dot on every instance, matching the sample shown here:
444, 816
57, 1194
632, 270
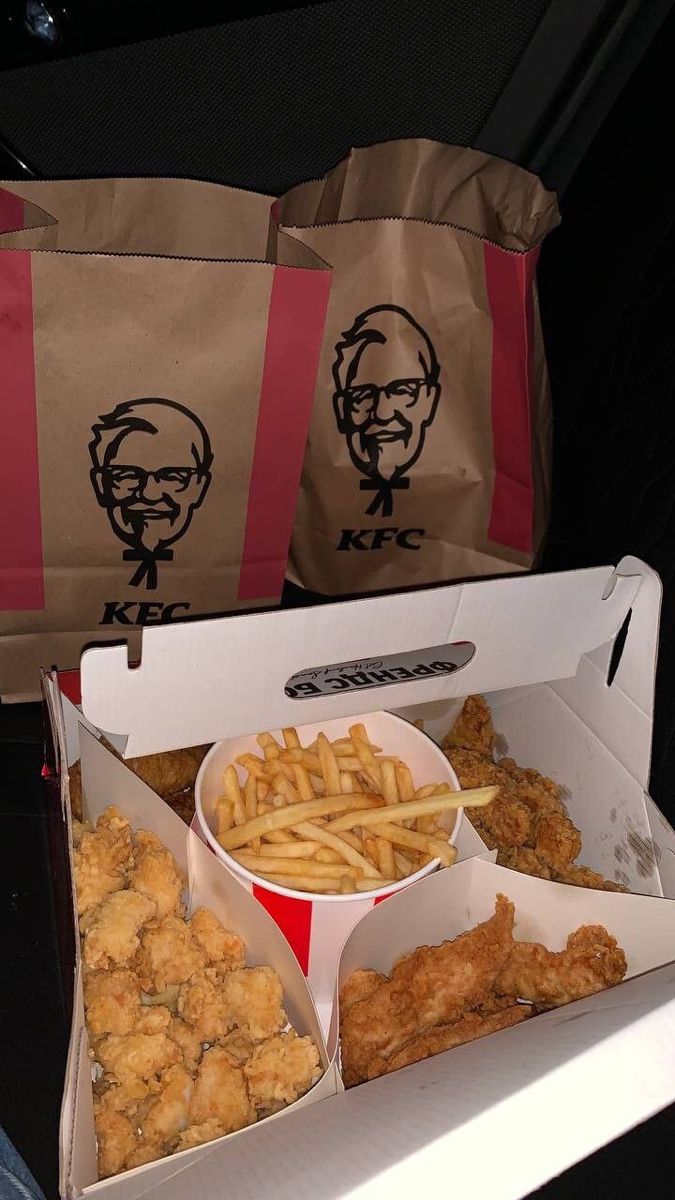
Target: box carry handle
207, 680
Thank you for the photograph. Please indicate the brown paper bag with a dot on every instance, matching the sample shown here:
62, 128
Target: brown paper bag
157, 370
428, 455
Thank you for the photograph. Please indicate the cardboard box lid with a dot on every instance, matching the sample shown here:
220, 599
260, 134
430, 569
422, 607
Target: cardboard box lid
205, 680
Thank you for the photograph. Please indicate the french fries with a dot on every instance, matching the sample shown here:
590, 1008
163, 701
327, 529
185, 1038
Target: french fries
333, 818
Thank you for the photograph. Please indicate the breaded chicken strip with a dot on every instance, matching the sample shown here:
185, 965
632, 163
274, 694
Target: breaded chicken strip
156, 873
507, 820
434, 984
220, 945
580, 876
102, 858
591, 962
281, 1069
169, 954
521, 858
111, 929
220, 1093
359, 986
112, 1000
473, 729
136, 1056
557, 840
445, 1037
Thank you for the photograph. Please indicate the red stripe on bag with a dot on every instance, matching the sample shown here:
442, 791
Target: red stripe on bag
509, 286
21, 578
295, 323
11, 212
69, 686
294, 918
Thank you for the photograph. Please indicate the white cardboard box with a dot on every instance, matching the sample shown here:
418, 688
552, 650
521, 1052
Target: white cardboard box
541, 1095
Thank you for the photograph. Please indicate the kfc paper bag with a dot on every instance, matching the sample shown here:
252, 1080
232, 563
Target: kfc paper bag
158, 369
428, 454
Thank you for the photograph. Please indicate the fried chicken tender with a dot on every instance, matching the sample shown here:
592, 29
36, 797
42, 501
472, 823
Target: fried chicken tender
127, 1098
136, 1056
220, 945
521, 858
557, 840
197, 1135
102, 857
433, 985
167, 1115
445, 1037
220, 1093
507, 820
111, 929
580, 876
444, 980
473, 729
255, 998
281, 1069
543, 844
189, 1041
359, 986
169, 772
112, 1001
169, 954
591, 962
156, 874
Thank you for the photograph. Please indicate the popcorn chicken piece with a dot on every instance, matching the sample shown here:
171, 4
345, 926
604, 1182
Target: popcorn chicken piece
136, 1056
112, 1001
116, 1142
239, 1044
203, 1003
168, 954
111, 929
220, 1093
219, 944
156, 873
102, 857
167, 1115
153, 1018
188, 1039
281, 1068
197, 1135
254, 997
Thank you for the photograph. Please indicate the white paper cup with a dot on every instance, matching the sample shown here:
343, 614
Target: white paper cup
316, 924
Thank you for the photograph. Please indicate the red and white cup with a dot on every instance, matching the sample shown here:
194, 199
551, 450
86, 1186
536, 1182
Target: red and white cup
316, 925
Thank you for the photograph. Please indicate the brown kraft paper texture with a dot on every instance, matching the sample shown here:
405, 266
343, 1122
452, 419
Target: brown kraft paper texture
156, 358
429, 449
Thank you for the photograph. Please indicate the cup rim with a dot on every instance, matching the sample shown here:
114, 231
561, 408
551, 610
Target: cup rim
348, 897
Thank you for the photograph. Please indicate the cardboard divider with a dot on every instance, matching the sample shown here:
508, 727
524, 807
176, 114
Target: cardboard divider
107, 781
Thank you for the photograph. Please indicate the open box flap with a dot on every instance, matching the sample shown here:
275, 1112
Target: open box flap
106, 781
195, 682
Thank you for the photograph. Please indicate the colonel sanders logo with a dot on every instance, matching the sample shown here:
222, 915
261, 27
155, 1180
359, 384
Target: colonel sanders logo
151, 470
386, 394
